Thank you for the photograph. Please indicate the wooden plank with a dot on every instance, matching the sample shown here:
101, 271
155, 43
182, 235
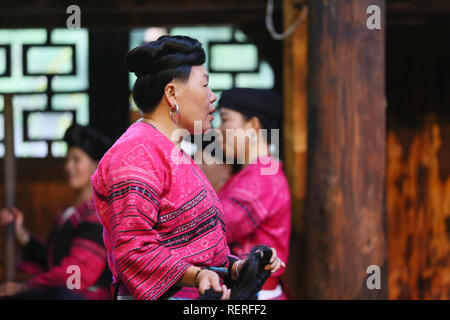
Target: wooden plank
345, 220
295, 71
50, 169
10, 187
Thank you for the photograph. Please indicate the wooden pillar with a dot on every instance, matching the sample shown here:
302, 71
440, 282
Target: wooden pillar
345, 215
10, 186
295, 70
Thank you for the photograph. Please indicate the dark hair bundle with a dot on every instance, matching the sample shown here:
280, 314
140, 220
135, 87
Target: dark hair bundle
90, 140
158, 62
251, 278
264, 104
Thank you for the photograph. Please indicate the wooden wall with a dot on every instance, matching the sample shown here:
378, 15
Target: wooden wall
418, 160
42, 193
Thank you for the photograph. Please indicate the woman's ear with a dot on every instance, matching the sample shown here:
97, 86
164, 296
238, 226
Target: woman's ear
169, 93
254, 123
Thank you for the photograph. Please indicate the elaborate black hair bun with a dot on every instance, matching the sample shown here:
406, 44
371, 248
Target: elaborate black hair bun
91, 141
158, 62
167, 52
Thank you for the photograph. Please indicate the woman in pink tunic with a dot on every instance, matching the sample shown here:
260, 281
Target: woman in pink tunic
163, 222
256, 200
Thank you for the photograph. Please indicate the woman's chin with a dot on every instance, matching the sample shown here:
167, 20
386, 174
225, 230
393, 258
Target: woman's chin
75, 185
202, 126
206, 126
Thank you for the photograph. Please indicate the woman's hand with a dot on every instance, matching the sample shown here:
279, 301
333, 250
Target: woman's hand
8, 216
203, 279
208, 279
275, 263
12, 288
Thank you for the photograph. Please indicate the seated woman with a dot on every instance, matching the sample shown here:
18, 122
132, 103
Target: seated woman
256, 199
76, 237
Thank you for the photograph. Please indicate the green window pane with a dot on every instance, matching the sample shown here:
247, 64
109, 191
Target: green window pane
29, 36
17, 82
59, 149
50, 60
2, 150
204, 34
48, 125
234, 57
79, 38
45, 59
137, 37
220, 81
35, 149
240, 36
2, 127
262, 80
2, 60
73, 101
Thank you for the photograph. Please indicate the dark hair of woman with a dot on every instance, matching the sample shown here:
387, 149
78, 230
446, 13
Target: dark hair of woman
251, 278
157, 63
90, 140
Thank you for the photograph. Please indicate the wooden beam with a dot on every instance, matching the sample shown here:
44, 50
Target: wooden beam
345, 215
295, 70
125, 14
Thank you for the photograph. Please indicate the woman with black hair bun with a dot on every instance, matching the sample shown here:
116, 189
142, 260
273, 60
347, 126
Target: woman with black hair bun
163, 223
76, 237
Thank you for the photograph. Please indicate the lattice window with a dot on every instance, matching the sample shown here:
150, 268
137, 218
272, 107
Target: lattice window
47, 72
231, 59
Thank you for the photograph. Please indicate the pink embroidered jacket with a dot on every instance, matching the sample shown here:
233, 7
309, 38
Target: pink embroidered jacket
257, 208
159, 212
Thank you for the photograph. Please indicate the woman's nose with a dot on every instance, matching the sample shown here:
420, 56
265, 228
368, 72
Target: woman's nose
213, 97
67, 166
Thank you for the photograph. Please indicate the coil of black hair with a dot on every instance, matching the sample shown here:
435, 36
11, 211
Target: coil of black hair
251, 278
